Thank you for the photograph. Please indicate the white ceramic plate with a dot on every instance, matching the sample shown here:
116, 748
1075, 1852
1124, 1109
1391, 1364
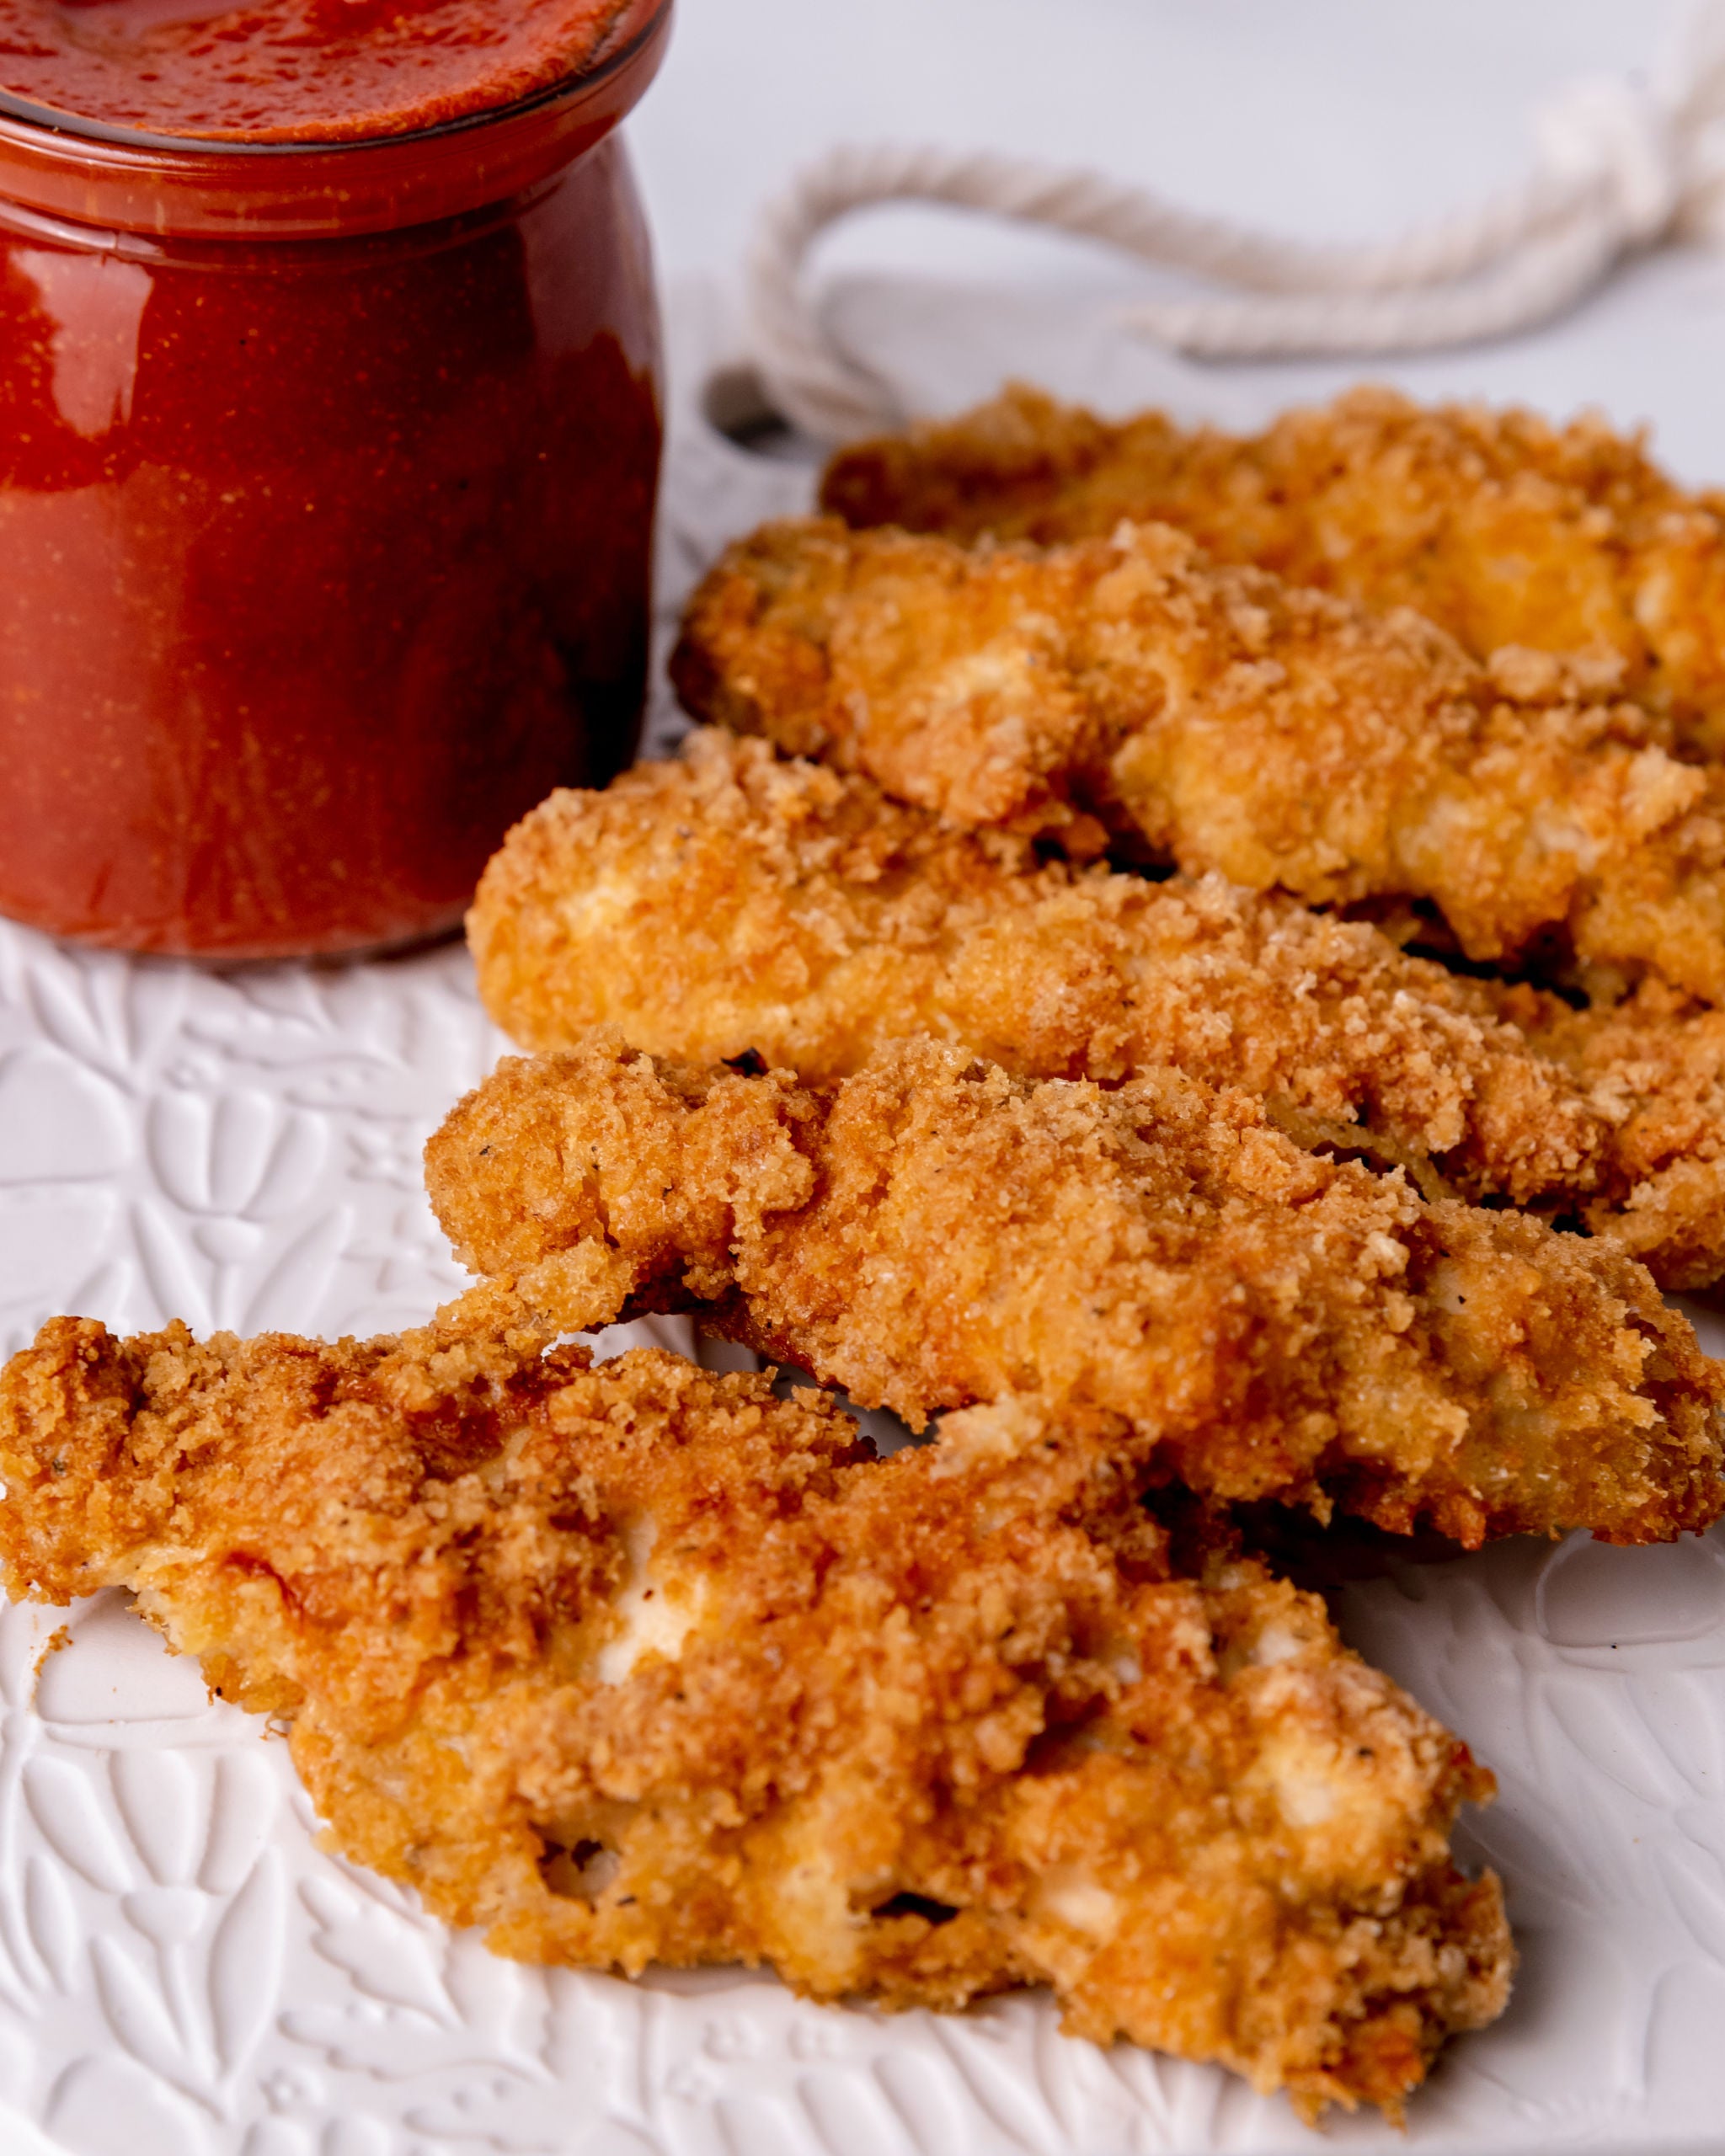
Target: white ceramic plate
183, 1973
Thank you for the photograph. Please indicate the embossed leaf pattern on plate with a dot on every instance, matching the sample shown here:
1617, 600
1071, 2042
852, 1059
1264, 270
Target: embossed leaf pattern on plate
182, 1970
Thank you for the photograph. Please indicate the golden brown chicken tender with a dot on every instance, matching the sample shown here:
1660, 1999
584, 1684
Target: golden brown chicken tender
1503, 529
638, 1663
1214, 1305
1223, 720
733, 901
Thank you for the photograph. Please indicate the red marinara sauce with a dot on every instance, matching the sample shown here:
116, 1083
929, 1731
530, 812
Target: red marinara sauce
329, 433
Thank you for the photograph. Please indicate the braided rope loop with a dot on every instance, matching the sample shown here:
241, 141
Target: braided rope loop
1619, 168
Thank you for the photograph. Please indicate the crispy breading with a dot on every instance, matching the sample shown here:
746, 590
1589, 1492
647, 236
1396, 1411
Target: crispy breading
638, 1663
1655, 1066
734, 902
1223, 720
1501, 528
1219, 1306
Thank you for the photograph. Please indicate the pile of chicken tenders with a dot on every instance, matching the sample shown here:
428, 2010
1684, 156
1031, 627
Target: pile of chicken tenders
1192, 970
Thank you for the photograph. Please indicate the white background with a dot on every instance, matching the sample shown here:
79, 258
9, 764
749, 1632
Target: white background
1330, 118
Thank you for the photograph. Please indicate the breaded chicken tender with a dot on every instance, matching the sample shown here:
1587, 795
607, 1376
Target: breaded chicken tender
1221, 719
734, 902
638, 1663
1156, 1262
1501, 528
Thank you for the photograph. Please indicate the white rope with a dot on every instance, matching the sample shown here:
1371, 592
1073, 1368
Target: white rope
1619, 168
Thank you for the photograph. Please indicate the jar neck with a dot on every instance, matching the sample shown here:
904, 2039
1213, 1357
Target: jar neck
185, 190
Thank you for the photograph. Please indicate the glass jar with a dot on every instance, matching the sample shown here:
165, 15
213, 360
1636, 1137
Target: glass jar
327, 477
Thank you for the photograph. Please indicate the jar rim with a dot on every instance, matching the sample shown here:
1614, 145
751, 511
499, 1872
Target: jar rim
191, 187
639, 24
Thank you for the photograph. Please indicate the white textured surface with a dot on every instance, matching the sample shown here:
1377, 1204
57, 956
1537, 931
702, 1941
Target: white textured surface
182, 1973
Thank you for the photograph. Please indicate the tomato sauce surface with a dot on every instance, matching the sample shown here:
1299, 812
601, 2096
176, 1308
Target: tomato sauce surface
293, 71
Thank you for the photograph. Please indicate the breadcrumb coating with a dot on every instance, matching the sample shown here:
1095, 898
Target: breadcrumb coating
1655, 1066
1505, 530
733, 902
1223, 720
1217, 1306
637, 1663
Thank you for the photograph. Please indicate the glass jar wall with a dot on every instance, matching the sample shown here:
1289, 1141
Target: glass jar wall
326, 495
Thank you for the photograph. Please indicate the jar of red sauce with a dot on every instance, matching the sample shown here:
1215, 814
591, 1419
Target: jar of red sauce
329, 432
